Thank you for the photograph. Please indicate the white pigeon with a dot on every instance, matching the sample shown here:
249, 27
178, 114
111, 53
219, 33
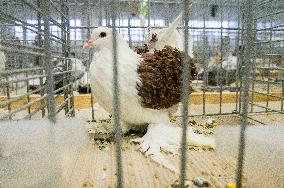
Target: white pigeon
161, 134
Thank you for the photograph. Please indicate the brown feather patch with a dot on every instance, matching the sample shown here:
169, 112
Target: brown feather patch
142, 50
161, 78
154, 37
145, 48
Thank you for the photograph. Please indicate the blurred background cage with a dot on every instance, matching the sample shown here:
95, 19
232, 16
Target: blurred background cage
34, 42
38, 37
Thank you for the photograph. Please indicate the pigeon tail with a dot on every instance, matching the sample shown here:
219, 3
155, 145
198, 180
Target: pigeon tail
168, 32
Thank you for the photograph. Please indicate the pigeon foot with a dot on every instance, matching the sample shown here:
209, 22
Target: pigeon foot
167, 137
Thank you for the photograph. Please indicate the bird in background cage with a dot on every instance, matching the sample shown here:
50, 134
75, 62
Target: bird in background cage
79, 70
222, 67
77, 66
150, 88
270, 68
57, 78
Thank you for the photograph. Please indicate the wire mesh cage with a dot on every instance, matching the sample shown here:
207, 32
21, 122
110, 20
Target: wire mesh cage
238, 48
33, 42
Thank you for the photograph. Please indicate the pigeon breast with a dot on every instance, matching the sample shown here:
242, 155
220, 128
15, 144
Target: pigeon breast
160, 73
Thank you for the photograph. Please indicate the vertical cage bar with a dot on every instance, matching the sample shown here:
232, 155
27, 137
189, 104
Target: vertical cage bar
252, 86
116, 98
249, 46
90, 54
227, 51
253, 72
47, 62
129, 26
42, 94
238, 55
270, 57
149, 20
221, 71
167, 8
68, 48
65, 54
282, 99
185, 93
8, 95
204, 60
89, 21
39, 59
28, 96
100, 13
241, 56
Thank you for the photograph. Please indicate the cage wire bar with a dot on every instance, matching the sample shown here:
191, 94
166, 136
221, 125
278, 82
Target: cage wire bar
185, 93
116, 99
259, 27
35, 45
247, 67
88, 5
268, 59
47, 62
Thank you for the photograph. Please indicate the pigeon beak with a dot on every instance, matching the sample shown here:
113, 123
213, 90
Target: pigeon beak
89, 44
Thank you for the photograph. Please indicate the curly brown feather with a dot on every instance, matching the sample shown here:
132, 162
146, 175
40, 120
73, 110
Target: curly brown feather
146, 48
142, 49
161, 78
154, 37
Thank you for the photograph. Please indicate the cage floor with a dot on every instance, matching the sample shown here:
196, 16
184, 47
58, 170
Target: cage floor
96, 167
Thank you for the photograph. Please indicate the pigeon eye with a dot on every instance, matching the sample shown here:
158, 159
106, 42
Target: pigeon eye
103, 34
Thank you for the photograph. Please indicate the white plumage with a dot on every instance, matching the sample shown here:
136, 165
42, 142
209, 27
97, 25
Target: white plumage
2, 68
78, 67
230, 63
85, 80
160, 131
101, 75
2, 61
79, 71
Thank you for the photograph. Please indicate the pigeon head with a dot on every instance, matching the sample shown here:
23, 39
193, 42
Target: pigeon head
101, 36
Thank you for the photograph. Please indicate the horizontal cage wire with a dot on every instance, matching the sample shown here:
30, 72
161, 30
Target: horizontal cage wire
33, 43
236, 49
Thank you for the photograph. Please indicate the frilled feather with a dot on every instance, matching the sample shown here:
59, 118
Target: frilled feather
161, 78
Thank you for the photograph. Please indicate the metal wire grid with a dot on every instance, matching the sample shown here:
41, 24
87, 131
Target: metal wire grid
225, 24
248, 24
36, 45
245, 37
246, 64
268, 60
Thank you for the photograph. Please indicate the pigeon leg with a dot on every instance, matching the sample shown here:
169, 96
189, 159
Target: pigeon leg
167, 137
